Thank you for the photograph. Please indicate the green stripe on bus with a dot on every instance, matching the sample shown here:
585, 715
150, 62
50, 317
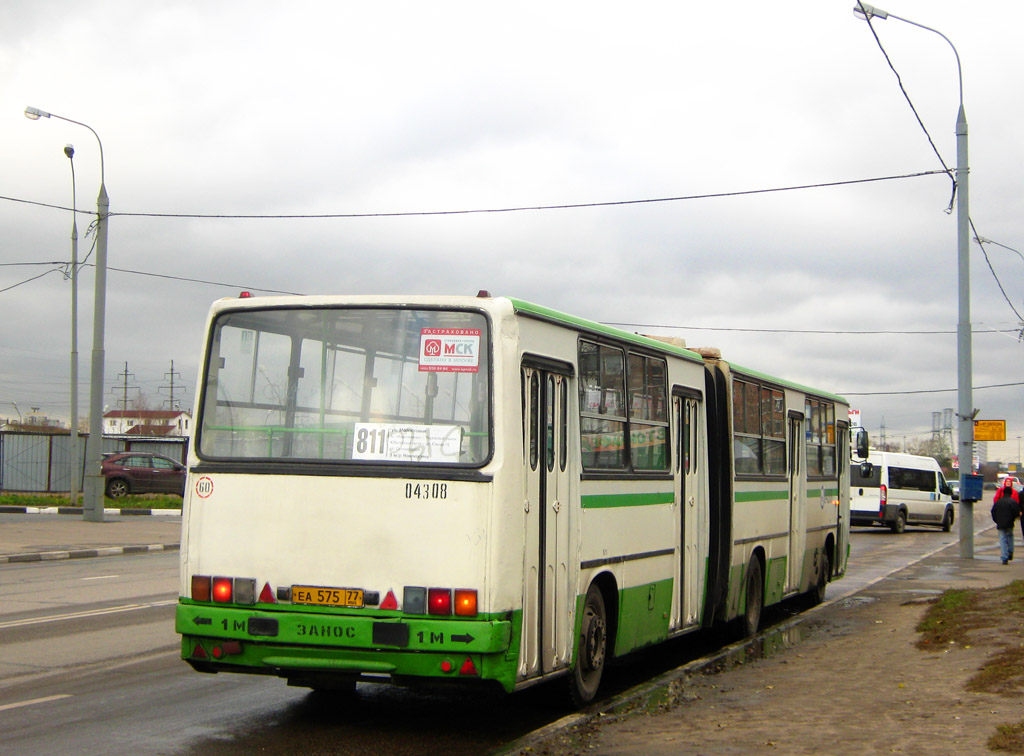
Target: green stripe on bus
601, 501
828, 492
745, 496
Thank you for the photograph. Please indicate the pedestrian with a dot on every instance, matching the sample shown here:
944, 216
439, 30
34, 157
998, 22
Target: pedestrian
1005, 511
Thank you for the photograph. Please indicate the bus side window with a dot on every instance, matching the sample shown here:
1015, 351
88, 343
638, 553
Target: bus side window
563, 448
534, 414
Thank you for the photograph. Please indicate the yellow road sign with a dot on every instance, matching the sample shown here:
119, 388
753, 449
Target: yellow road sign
989, 430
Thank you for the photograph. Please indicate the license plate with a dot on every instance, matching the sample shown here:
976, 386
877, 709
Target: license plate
310, 594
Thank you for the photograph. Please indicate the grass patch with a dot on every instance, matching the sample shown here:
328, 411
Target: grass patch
1009, 738
949, 620
994, 617
132, 501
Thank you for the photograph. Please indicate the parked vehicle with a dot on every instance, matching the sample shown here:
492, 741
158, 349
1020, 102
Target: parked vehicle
142, 472
954, 487
897, 490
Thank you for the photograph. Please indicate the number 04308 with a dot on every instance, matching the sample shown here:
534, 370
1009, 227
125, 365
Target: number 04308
426, 491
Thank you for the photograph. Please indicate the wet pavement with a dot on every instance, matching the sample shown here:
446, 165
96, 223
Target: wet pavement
39, 535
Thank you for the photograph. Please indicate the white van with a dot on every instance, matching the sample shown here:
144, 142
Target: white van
899, 490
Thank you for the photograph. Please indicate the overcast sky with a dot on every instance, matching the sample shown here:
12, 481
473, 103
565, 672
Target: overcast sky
218, 108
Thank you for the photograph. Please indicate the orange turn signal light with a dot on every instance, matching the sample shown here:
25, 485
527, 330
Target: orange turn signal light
465, 602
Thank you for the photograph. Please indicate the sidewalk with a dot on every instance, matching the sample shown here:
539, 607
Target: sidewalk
842, 679
32, 535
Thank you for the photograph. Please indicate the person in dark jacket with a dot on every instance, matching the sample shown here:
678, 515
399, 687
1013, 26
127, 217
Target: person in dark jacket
1005, 510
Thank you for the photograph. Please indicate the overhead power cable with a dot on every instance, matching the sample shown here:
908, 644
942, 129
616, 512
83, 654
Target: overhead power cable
802, 330
922, 391
525, 208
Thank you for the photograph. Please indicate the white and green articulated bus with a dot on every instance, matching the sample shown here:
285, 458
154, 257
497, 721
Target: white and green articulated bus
481, 490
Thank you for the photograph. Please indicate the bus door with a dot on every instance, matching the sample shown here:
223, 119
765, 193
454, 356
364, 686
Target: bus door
797, 500
547, 616
842, 497
687, 414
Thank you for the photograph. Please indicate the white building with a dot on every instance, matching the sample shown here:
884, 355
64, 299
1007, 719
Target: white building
147, 423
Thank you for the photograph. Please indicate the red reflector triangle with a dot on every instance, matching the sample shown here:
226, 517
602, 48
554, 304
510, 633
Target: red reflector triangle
199, 653
468, 668
389, 602
267, 595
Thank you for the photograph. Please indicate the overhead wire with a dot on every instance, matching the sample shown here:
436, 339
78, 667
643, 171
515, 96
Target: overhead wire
515, 209
935, 149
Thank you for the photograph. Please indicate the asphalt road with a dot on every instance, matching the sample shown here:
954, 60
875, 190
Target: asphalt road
89, 664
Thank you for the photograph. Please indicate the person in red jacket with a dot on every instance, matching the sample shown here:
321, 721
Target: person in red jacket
1005, 511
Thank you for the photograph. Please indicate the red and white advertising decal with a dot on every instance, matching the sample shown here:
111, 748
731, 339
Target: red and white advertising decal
449, 350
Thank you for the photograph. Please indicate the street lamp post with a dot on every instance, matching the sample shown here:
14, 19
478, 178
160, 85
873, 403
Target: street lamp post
69, 150
94, 488
965, 409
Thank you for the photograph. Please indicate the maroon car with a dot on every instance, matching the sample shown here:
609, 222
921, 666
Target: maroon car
142, 472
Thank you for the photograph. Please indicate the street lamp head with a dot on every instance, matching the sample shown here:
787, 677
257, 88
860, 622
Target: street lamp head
69, 150
34, 114
865, 11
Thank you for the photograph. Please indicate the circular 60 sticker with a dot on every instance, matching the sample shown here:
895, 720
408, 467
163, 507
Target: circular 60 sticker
204, 487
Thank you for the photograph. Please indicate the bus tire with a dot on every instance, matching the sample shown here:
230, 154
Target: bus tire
751, 619
591, 649
899, 525
947, 520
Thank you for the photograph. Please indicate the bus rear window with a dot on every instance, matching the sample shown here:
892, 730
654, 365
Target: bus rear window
871, 480
365, 385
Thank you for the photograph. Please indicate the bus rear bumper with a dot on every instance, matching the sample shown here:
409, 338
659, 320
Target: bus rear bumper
293, 643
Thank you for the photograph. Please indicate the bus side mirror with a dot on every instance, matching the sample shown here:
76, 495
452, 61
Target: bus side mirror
866, 468
861, 440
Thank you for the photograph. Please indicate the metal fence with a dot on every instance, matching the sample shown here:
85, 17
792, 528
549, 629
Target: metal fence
41, 462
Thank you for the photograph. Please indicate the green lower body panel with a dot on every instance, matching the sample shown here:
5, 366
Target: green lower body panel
281, 642
643, 615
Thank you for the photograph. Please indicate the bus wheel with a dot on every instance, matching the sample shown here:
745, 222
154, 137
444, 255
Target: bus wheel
818, 592
751, 619
900, 523
947, 520
591, 650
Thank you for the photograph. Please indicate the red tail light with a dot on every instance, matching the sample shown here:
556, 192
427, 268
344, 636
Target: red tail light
222, 590
883, 499
468, 668
439, 601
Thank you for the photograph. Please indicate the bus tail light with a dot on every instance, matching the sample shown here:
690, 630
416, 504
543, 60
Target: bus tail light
465, 602
245, 591
200, 587
883, 499
468, 668
267, 595
439, 601
414, 600
222, 591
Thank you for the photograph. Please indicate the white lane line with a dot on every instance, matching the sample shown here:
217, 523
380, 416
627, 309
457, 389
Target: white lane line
101, 577
86, 614
34, 701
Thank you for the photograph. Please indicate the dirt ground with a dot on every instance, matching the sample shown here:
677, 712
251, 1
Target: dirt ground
853, 683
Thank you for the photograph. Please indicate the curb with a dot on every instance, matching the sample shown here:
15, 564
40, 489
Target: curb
6, 509
53, 556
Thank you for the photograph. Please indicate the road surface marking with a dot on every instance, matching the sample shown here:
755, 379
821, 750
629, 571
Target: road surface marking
34, 701
86, 614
